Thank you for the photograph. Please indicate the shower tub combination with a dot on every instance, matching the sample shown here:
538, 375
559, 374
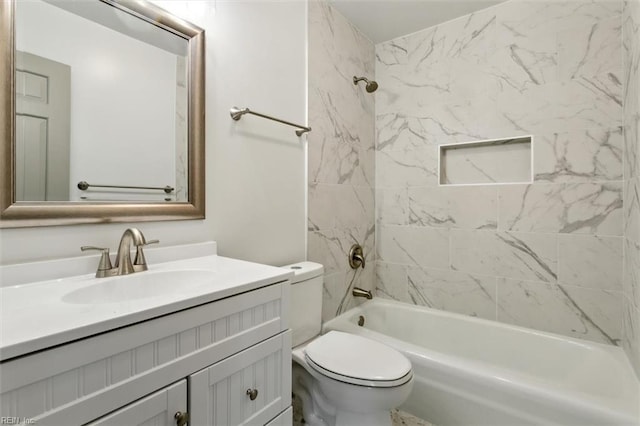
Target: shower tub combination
470, 371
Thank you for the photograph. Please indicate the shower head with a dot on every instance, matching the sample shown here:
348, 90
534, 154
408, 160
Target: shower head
371, 86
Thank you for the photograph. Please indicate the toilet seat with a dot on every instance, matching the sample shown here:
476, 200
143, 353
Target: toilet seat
357, 360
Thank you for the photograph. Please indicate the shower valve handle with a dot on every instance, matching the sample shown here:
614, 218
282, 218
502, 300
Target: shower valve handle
356, 257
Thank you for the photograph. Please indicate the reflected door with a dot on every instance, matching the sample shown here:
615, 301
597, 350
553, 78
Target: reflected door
42, 129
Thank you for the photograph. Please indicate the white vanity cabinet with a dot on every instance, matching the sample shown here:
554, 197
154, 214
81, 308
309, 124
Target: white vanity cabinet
226, 362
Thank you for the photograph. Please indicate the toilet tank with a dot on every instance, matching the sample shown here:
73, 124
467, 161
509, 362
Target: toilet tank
306, 301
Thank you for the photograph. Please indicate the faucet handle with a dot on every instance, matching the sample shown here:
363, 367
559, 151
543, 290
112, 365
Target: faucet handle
105, 260
356, 257
140, 261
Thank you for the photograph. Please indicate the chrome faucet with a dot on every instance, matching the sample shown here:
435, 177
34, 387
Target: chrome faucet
123, 264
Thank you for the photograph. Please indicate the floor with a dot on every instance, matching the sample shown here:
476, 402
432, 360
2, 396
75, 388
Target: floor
398, 417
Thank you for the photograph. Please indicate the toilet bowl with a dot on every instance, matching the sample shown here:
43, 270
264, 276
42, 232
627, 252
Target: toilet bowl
341, 379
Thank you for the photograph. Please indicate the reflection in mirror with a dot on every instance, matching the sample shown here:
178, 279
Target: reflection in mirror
101, 97
43, 93
102, 113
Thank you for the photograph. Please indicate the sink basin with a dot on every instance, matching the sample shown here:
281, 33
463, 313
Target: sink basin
140, 285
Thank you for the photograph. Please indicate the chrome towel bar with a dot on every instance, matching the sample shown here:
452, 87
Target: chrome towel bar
237, 113
83, 185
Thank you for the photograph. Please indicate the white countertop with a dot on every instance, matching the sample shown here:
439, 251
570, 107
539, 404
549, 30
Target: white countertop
35, 316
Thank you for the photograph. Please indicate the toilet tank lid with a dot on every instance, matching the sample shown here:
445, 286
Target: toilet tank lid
305, 271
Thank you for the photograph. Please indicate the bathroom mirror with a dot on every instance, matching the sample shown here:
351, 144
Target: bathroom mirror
103, 113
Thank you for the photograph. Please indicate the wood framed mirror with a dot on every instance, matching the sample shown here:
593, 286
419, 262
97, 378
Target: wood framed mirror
126, 176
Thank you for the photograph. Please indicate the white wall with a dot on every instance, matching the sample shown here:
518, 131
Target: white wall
258, 60
115, 79
256, 57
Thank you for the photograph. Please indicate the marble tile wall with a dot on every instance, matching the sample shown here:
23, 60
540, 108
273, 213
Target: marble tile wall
341, 154
631, 123
546, 255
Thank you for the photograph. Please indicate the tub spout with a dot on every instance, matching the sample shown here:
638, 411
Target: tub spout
358, 292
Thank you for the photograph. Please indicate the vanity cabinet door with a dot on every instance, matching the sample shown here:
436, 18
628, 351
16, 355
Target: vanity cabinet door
249, 388
157, 409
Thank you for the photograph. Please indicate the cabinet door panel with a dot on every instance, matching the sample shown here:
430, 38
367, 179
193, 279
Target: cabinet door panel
157, 409
218, 394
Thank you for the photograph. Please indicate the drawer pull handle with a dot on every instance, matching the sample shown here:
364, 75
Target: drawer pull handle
253, 393
181, 418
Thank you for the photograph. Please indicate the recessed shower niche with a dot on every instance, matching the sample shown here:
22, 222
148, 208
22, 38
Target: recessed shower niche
486, 162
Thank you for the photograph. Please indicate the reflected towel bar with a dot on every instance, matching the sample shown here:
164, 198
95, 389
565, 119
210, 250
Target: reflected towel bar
237, 113
83, 185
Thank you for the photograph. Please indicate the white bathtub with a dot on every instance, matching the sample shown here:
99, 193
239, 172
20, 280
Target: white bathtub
477, 372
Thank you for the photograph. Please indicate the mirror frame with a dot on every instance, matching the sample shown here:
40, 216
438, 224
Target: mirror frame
31, 214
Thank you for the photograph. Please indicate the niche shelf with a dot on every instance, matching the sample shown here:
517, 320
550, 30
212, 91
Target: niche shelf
496, 161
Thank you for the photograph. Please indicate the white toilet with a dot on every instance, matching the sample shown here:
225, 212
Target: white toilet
342, 379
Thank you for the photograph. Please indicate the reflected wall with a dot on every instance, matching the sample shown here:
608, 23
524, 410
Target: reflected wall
127, 100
